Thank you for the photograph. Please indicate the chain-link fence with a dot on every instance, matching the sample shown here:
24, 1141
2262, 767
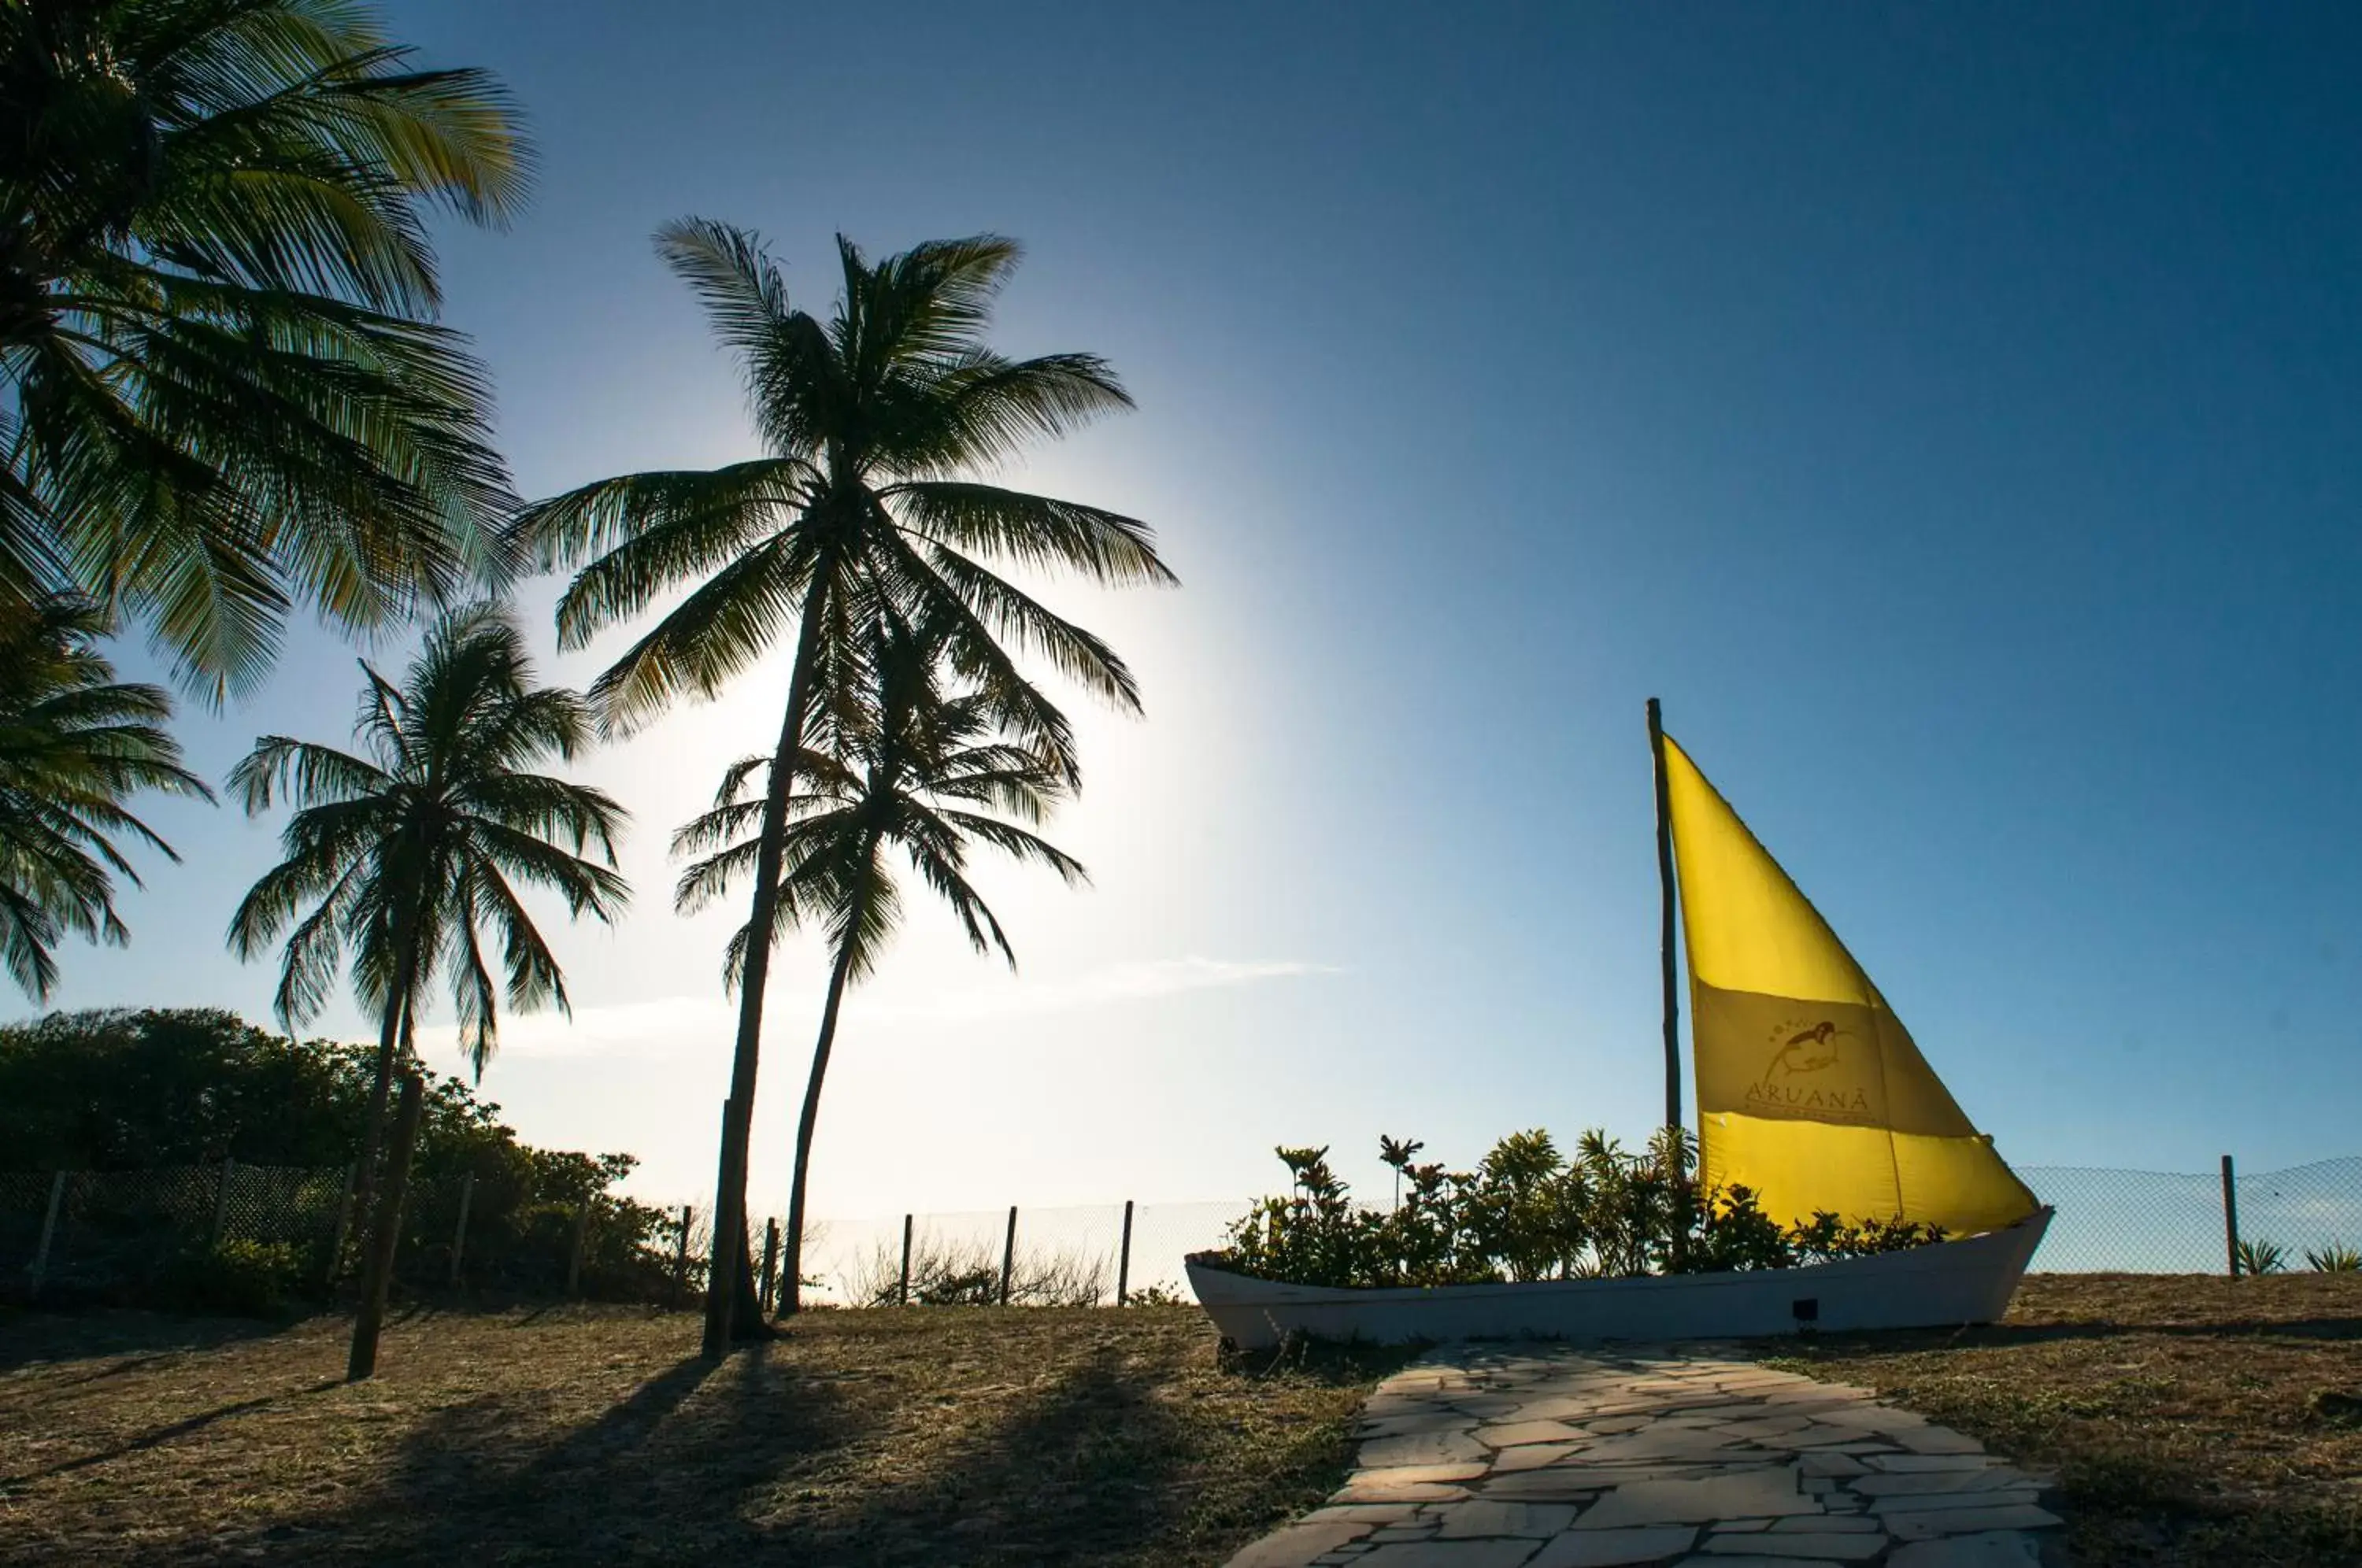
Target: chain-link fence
230, 1233
2169, 1222
136, 1236
2107, 1222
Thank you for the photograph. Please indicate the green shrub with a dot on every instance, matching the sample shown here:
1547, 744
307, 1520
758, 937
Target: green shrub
236, 1277
2336, 1259
1529, 1212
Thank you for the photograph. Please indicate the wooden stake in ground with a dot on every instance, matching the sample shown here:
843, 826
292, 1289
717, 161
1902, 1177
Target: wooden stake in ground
385, 1235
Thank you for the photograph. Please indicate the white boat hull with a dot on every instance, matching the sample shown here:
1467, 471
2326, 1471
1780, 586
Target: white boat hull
1940, 1285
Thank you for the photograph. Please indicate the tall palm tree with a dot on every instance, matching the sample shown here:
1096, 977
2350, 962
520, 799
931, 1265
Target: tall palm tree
907, 767
221, 388
75, 744
872, 420
402, 855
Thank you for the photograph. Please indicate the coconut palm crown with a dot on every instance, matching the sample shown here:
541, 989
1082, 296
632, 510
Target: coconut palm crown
222, 392
76, 743
402, 856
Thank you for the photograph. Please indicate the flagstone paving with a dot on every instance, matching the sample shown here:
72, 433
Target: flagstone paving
1493, 1456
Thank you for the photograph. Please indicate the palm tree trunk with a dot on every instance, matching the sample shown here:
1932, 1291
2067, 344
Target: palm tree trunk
791, 1281
392, 1030
729, 1277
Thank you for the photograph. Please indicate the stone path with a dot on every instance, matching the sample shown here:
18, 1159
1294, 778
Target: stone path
1492, 1456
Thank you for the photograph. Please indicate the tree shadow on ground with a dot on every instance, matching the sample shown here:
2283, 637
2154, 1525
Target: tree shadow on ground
1904, 1341
759, 1461
29, 1338
172, 1431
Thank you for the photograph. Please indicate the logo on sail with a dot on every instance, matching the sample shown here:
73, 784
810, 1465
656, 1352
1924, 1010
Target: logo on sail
1814, 1072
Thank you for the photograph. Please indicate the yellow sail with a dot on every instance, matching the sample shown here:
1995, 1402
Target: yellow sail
1810, 1090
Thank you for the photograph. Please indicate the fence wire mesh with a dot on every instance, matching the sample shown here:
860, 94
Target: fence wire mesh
2169, 1222
115, 1233
152, 1235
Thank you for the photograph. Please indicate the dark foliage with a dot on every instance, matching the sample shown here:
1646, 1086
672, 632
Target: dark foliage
151, 1094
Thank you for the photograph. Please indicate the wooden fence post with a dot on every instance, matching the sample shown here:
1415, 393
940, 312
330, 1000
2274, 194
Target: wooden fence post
386, 1234
902, 1295
574, 1258
49, 1230
459, 1231
763, 1287
343, 1231
2230, 1217
1123, 1261
1008, 1254
221, 1202
680, 1262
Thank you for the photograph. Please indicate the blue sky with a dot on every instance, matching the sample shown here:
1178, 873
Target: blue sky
1950, 416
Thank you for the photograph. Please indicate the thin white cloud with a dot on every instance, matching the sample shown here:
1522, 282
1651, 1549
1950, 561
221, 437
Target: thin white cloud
678, 1025
1115, 984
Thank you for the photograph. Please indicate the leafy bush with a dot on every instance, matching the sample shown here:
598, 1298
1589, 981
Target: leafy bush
2336, 1259
1531, 1213
122, 1090
238, 1278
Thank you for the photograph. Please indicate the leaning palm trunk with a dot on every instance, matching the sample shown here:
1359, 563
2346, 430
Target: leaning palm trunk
732, 1308
791, 1283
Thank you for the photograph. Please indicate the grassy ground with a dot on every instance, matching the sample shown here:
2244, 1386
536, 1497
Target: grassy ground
591, 1436
2182, 1414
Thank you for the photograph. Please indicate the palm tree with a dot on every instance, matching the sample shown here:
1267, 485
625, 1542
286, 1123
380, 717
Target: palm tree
869, 420
75, 744
400, 856
908, 767
221, 388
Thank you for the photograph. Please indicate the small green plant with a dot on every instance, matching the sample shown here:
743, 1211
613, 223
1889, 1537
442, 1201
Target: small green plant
2262, 1257
2336, 1258
1162, 1294
238, 1278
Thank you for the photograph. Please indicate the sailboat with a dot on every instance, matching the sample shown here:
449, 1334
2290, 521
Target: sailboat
1810, 1093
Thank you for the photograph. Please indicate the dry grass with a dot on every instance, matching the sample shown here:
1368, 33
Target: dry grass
2177, 1411
594, 1436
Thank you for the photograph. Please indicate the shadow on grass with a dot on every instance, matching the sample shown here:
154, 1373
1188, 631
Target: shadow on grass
171, 1432
1909, 1342
762, 1461
30, 1337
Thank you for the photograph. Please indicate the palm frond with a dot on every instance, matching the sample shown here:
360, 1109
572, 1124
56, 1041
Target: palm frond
226, 394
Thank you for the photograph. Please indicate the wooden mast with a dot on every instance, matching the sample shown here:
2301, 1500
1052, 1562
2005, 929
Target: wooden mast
1665, 883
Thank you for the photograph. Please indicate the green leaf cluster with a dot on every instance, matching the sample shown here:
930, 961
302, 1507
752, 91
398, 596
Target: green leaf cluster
76, 745
223, 391
1530, 1211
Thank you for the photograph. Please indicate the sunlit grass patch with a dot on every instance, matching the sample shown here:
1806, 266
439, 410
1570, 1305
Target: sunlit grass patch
2190, 1420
